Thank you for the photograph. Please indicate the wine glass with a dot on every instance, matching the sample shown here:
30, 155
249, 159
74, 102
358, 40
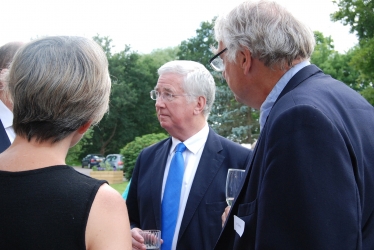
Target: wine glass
233, 182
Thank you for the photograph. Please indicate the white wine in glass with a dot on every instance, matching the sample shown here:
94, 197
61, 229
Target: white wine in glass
233, 182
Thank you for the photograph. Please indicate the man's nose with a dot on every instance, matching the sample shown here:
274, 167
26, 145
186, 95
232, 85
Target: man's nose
159, 101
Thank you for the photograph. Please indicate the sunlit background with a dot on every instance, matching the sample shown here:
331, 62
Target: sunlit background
144, 24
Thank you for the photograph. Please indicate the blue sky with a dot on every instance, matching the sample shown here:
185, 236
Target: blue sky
144, 24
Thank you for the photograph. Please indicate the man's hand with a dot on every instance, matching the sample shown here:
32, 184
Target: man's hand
225, 214
137, 239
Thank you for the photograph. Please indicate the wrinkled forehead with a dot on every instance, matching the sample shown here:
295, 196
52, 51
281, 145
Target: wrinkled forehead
169, 82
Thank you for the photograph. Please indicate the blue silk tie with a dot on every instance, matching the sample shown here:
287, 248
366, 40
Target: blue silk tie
170, 201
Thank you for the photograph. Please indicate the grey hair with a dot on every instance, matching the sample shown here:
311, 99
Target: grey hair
197, 80
58, 84
271, 33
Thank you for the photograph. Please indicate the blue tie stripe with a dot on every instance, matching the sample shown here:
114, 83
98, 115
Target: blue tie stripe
171, 199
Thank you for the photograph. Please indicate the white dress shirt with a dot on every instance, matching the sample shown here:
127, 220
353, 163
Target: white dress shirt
6, 117
192, 155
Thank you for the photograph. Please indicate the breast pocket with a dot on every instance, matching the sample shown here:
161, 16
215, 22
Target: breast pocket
247, 212
247, 209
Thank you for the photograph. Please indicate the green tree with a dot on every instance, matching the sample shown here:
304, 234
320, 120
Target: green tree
228, 117
198, 48
339, 66
131, 111
368, 94
73, 157
363, 60
132, 150
359, 15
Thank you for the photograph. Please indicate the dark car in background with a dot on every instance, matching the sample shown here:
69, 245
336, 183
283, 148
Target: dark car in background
115, 160
92, 160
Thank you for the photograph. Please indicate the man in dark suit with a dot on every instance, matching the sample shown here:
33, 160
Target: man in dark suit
184, 95
310, 183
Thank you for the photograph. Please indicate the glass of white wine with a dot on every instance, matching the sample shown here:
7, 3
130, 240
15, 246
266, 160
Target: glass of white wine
233, 182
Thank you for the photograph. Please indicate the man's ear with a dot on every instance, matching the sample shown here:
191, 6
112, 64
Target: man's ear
82, 129
201, 102
245, 60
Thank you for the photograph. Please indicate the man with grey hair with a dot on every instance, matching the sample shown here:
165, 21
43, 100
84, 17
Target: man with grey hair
184, 96
310, 183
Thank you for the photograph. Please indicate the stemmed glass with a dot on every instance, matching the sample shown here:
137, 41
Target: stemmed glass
233, 182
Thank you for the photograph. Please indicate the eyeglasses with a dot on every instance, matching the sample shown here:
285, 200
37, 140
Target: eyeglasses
216, 62
165, 96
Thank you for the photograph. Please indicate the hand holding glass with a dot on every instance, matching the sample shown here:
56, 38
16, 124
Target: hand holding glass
152, 238
233, 182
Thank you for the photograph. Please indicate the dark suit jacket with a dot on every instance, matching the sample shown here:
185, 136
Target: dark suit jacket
310, 182
201, 223
4, 140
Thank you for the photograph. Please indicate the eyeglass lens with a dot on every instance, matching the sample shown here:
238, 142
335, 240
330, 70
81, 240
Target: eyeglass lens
217, 64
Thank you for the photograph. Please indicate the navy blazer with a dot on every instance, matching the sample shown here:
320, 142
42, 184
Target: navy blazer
201, 223
310, 183
4, 139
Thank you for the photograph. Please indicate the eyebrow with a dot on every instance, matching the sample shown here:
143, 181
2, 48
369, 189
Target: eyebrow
165, 89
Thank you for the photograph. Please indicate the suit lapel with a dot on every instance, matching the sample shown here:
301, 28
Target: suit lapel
4, 139
158, 176
209, 164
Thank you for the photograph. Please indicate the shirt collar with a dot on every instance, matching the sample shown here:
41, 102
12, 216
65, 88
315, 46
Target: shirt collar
267, 105
195, 142
6, 115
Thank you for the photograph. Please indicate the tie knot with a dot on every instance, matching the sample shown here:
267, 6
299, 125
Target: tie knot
180, 148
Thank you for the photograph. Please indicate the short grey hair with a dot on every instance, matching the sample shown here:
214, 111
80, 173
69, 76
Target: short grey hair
197, 80
58, 84
271, 33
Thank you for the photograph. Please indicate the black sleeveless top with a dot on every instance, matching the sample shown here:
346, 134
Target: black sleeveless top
45, 208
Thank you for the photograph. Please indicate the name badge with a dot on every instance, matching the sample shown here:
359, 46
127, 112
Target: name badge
239, 225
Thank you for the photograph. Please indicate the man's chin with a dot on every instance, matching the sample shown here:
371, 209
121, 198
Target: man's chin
164, 124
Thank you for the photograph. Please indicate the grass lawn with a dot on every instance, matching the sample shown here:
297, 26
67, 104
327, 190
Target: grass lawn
120, 187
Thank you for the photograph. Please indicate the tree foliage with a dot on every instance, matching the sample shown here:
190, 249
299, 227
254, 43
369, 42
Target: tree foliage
368, 94
132, 150
339, 66
74, 155
198, 48
359, 15
131, 111
363, 60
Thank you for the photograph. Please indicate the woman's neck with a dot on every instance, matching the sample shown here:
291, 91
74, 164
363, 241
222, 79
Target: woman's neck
25, 155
